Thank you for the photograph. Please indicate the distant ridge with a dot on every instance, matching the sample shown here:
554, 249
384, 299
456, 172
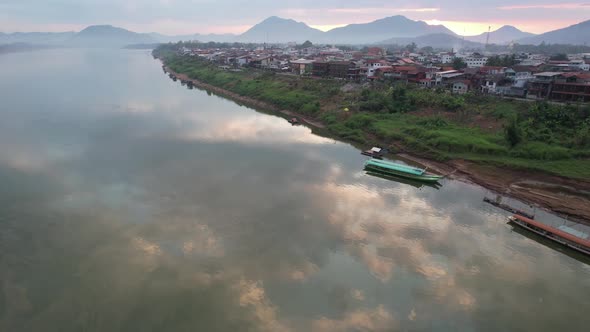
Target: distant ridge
437, 40
504, 35
577, 34
379, 30
108, 36
220, 38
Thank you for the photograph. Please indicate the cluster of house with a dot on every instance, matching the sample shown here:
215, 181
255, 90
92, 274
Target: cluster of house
534, 77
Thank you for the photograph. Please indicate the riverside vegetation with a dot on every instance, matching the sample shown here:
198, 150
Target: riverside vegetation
434, 123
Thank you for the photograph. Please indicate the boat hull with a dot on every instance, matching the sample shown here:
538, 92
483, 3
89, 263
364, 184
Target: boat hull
389, 172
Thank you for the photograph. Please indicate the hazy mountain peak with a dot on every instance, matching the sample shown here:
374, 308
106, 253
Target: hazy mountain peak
277, 29
577, 34
503, 35
109, 36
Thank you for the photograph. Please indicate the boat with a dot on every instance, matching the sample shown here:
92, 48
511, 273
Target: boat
563, 235
398, 179
400, 170
294, 121
375, 152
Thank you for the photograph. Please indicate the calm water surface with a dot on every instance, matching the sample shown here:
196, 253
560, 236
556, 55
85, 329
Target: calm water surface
130, 203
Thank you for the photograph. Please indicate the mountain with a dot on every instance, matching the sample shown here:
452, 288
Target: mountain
108, 36
436, 40
48, 38
578, 34
504, 35
275, 29
389, 27
220, 38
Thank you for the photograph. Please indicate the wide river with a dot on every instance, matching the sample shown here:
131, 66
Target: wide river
131, 203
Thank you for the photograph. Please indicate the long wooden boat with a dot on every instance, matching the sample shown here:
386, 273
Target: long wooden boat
399, 179
567, 239
400, 170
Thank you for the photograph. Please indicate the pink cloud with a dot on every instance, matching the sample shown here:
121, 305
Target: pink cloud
548, 6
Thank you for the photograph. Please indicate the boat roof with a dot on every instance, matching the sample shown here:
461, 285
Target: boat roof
573, 232
376, 149
558, 232
396, 167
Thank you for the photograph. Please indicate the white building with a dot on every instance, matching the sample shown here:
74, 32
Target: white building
460, 87
579, 64
447, 58
373, 65
475, 61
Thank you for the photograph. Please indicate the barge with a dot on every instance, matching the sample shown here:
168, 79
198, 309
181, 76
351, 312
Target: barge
565, 238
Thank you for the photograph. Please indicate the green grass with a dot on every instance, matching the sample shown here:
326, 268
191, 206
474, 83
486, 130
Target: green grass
571, 168
299, 95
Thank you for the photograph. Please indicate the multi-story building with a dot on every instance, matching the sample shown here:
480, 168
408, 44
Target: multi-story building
302, 66
447, 58
475, 61
335, 69
560, 86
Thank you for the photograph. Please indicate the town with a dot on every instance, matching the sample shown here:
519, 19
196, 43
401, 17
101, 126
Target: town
559, 77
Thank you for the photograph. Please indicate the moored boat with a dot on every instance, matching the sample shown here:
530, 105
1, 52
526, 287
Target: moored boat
375, 152
566, 238
400, 170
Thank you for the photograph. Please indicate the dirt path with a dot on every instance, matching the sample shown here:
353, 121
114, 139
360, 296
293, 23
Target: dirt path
566, 197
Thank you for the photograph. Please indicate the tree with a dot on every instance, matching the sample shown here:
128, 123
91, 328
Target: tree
504, 61
307, 44
458, 64
559, 57
427, 50
412, 47
513, 132
399, 99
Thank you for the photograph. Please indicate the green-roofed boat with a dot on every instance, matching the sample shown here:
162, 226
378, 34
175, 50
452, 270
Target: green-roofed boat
400, 170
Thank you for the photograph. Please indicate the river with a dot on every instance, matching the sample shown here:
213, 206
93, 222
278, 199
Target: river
131, 203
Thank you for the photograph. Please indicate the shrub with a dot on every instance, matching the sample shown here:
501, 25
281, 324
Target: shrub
310, 108
541, 151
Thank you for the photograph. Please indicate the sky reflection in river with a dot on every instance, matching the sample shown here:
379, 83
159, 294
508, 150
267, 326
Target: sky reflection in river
130, 203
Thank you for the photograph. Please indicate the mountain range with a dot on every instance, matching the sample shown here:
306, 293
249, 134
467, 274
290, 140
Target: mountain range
435, 40
577, 34
379, 30
389, 30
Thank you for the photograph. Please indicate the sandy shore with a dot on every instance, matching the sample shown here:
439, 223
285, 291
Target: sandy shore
568, 198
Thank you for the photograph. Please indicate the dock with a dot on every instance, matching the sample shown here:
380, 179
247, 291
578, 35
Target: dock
498, 203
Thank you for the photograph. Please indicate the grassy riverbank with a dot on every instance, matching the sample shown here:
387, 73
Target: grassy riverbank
517, 134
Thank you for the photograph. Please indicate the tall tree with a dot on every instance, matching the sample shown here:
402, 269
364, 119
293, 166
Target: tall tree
458, 64
412, 47
559, 57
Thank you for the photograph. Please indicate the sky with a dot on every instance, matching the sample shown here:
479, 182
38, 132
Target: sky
465, 17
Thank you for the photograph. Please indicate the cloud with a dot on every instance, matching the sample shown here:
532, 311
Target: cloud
377, 319
566, 6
